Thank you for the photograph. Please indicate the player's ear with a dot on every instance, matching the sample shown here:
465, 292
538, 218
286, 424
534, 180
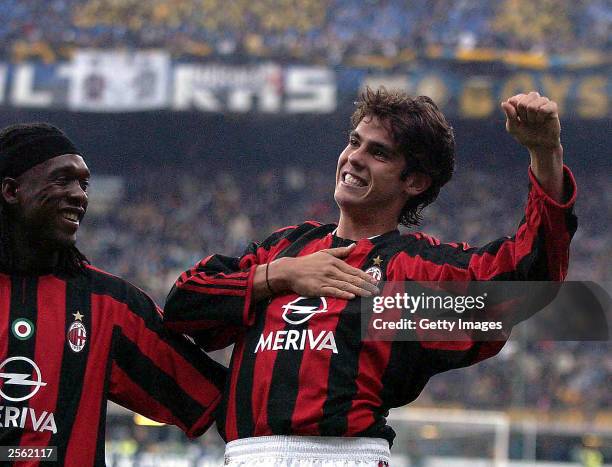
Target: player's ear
416, 183
10, 186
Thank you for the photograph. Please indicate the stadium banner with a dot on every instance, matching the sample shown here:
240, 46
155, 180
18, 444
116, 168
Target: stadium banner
118, 81
146, 80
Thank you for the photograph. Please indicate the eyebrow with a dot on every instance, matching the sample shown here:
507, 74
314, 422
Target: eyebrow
374, 144
67, 170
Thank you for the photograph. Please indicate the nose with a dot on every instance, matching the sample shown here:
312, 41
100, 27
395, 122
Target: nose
356, 157
77, 194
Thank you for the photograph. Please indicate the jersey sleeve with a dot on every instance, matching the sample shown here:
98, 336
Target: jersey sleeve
213, 301
538, 251
158, 374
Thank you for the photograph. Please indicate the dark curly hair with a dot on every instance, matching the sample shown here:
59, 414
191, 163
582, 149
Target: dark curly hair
71, 260
421, 133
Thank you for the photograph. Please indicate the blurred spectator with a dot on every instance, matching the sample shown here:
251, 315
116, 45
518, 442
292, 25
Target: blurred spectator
335, 31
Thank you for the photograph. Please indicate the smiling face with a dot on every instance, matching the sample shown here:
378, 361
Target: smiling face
50, 200
369, 173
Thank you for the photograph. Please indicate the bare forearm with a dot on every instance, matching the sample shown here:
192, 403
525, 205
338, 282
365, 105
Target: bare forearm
533, 120
275, 282
547, 167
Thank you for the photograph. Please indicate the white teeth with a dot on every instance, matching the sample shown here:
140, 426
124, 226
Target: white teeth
354, 181
71, 216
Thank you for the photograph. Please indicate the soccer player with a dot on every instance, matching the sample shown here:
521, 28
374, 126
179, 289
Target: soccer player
73, 336
303, 384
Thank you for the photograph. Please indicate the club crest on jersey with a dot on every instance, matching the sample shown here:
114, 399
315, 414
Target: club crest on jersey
302, 309
22, 329
375, 272
77, 334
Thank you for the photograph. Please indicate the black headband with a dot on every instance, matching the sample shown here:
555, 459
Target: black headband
17, 159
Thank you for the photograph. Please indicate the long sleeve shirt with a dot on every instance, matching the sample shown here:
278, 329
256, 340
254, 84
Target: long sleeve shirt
312, 373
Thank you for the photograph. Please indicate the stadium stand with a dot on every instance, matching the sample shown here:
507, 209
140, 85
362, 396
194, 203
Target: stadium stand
336, 31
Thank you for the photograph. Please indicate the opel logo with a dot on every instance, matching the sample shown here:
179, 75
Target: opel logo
302, 309
21, 377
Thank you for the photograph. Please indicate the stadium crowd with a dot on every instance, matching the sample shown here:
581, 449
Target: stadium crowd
158, 232
333, 31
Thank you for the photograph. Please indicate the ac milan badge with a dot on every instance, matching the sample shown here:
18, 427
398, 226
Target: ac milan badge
375, 272
77, 336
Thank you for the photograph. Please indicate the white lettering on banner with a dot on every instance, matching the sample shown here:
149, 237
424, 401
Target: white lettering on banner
310, 90
23, 93
241, 100
216, 88
297, 340
121, 80
18, 417
109, 81
186, 95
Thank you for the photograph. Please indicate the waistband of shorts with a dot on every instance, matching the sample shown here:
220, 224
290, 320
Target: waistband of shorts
322, 447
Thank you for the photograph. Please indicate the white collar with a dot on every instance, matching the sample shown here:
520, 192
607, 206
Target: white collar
369, 238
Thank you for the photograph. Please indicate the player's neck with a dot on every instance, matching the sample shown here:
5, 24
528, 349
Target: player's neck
31, 258
356, 228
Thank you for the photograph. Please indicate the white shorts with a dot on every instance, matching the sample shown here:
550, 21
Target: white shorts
307, 451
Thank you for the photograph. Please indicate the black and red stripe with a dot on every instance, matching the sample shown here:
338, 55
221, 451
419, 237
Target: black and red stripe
23, 304
280, 389
128, 356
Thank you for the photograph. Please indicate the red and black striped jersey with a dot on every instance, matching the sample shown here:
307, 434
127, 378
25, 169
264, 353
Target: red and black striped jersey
312, 374
67, 345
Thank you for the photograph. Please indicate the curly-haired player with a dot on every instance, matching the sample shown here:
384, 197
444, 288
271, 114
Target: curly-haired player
304, 387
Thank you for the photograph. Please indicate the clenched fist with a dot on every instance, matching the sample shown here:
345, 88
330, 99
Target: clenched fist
533, 120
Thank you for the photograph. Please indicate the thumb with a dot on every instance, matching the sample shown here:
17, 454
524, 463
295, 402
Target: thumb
341, 252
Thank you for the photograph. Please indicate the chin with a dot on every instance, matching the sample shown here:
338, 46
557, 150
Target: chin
70, 242
340, 200
63, 242
348, 199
